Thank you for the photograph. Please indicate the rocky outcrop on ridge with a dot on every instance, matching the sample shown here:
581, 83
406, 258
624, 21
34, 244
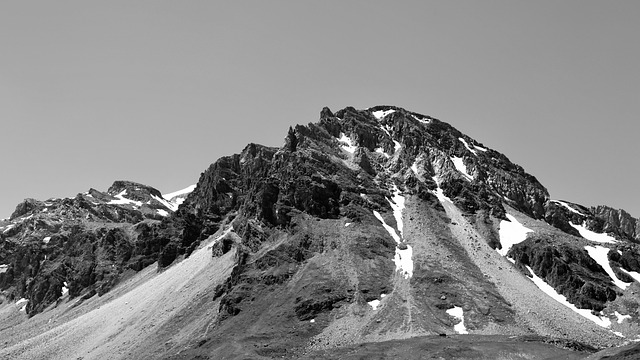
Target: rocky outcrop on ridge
365, 226
81, 246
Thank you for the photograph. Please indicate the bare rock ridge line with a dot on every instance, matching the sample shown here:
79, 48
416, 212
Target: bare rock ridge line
369, 227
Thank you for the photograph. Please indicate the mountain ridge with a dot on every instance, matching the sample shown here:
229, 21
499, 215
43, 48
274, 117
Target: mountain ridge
373, 225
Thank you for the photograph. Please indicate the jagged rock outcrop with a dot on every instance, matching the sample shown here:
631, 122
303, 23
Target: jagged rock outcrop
568, 268
618, 222
80, 246
366, 225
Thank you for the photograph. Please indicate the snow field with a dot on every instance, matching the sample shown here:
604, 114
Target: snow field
480, 148
599, 254
403, 261
382, 113
511, 232
458, 313
468, 147
347, 144
547, 289
397, 204
389, 229
414, 167
633, 274
621, 317
22, 301
121, 200
167, 204
461, 167
184, 191
376, 303
593, 236
423, 120
381, 151
162, 212
439, 193
568, 207
402, 258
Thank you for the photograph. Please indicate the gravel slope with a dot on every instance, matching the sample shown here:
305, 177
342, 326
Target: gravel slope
123, 326
536, 311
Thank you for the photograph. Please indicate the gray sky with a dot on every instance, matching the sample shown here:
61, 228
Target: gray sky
155, 91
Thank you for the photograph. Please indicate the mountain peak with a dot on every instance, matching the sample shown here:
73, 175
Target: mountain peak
380, 223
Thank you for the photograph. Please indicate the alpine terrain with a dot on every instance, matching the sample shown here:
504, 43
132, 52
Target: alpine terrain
378, 233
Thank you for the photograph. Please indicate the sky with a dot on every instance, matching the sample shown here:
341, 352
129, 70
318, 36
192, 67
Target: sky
156, 91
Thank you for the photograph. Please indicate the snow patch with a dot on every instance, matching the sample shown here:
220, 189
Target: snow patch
422, 120
414, 167
568, 207
389, 229
374, 304
461, 167
8, 228
396, 146
121, 200
397, 204
65, 289
382, 113
46, 240
439, 193
458, 313
184, 191
312, 321
547, 289
167, 204
467, 146
162, 212
381, 151
347, 224
511, 232
4, 268
403, 261
349, 147
599, 254
633, 274
480, 148
402, 258
22, 301
593, 236
621, 317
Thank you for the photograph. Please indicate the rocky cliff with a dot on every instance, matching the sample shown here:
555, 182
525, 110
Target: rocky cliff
365, 226
78, 247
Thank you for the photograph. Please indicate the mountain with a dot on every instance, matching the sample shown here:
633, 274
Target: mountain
370, 233
80, 246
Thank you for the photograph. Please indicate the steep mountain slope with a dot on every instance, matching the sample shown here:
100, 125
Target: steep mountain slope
368, 227
80, 246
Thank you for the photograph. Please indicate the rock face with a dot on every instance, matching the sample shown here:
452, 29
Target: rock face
618, 222
81, 246
310, 246
367, 225
569, 269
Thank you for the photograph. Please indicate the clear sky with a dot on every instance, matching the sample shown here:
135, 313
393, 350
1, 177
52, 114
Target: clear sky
155, 91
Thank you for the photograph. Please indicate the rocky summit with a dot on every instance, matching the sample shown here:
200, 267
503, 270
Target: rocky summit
376, 233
